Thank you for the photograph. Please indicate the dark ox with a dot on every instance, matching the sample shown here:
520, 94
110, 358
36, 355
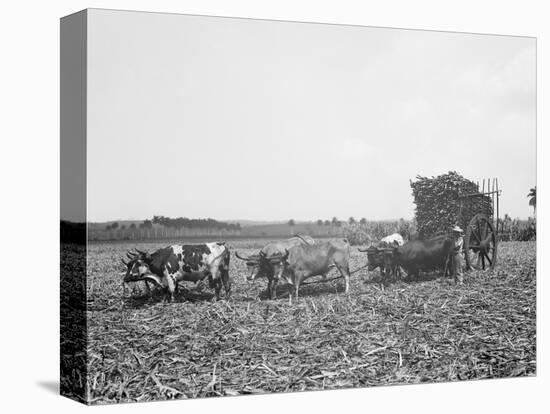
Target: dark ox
379, 256
422, 255
375, 259
303, 261
254, 267
168, 266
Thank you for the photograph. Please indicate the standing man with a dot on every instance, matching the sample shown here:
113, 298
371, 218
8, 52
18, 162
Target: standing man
458, 238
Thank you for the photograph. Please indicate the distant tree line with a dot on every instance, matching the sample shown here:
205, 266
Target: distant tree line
365, 232
320, 227
357, 231
162, 227
207, 223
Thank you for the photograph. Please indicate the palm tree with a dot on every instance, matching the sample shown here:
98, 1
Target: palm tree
363, 221
333, 224
132, 228
327, 225
291, 224
533, 199
351, 221
319, 225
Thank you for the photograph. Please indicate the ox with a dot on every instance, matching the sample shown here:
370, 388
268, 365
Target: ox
394, 239
303, 261
168, 266
379, 256
425, 255
276, 248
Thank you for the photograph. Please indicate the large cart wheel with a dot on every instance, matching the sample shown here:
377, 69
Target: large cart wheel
480, 244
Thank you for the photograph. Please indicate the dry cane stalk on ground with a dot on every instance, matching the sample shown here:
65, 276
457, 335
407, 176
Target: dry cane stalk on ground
405, 332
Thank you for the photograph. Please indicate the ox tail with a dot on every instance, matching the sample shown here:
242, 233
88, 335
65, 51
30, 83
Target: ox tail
224, 258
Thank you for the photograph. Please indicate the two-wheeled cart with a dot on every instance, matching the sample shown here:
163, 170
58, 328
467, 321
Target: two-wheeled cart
478, 215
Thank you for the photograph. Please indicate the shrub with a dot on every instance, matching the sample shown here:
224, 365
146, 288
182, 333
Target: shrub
356, 234
372, 231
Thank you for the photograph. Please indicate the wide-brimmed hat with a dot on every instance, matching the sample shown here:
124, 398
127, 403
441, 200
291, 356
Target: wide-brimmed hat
457, 229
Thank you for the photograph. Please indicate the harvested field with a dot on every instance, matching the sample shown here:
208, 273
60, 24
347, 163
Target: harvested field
427, 330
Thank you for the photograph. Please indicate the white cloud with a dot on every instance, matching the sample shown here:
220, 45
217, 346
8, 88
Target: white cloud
319, 112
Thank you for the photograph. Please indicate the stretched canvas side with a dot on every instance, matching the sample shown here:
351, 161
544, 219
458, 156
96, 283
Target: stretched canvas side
73, 332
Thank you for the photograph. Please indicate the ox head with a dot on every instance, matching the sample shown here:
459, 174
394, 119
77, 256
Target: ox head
261, 265
274, 266
374, 257
136, 266
252, 266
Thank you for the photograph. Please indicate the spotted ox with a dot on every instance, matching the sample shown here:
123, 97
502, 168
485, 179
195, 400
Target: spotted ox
213, 258
170, 265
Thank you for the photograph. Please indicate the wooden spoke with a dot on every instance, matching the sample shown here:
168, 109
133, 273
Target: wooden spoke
480, 240
488, 258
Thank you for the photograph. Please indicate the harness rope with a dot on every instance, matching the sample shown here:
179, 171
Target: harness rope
361, 268
334, 278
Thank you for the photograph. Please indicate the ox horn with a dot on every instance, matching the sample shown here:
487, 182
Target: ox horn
141, 252
279, 256
363, 251
122, 260
247, 259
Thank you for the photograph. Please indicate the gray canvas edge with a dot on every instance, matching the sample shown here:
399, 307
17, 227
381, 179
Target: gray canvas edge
73, 332
325, 23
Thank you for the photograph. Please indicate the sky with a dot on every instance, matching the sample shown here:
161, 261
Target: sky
264, 120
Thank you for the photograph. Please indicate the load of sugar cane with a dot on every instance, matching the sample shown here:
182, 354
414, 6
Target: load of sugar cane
440, 203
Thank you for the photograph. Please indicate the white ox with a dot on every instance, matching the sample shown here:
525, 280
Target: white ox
393, 239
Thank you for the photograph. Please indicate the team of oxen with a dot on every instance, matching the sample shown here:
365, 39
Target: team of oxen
288, 261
